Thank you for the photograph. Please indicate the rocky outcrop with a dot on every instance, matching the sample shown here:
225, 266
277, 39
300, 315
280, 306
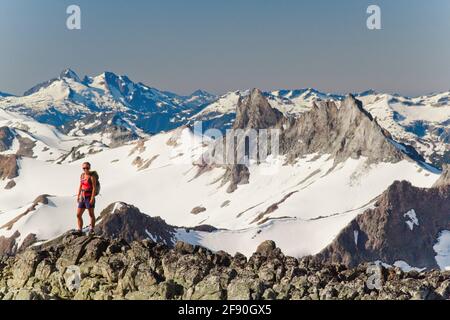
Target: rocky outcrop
404, 226
6, 138
120, 220
26, 147
96, 268
444, 180
236, 175
11, 184
78, 152
8, 245
8, 167
198, 210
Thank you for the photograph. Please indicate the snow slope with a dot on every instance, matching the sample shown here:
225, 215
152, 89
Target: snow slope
442, 249
159, 178
50, 144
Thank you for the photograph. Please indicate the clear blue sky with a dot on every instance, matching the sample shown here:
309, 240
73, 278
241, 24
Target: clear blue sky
222, 45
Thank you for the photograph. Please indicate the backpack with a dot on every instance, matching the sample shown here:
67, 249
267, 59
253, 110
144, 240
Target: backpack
97, 185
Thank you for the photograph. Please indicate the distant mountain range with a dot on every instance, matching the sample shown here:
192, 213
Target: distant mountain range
2, 95
422, 122
67, 99
81, 106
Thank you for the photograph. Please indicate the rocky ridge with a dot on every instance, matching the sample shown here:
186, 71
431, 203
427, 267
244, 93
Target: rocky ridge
404, 225
98, 268
134, 256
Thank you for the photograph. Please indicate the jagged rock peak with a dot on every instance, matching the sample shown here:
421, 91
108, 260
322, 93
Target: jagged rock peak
351, 102
444, 180
70, 74
254, 111
347, 131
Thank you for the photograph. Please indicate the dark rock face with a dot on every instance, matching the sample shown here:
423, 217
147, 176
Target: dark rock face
11, 184
237, 174
444, 180
198, 210
266, 248
8, 245
95, 268
6, 138
28, 241
8, 167
120, 220
404, 225
26, 147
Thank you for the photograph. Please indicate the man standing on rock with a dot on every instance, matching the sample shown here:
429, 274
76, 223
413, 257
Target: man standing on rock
87, 191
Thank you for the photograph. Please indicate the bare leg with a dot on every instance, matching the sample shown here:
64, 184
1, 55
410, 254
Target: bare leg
80, 212
92, 215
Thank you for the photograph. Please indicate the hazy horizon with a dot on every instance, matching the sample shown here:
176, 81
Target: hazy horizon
221, 46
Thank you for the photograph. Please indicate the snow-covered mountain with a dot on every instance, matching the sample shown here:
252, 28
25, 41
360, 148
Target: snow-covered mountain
65, 100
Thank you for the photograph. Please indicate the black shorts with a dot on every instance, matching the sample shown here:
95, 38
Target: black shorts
86, 204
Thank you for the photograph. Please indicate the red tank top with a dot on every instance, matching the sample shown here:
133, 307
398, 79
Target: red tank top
86, 185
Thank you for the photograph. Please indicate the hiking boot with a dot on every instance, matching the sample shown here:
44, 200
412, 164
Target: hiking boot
77, 233
91, 232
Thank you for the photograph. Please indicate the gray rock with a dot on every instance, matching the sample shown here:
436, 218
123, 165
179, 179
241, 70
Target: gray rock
143, 270
209, 288
25, 294
266, 248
